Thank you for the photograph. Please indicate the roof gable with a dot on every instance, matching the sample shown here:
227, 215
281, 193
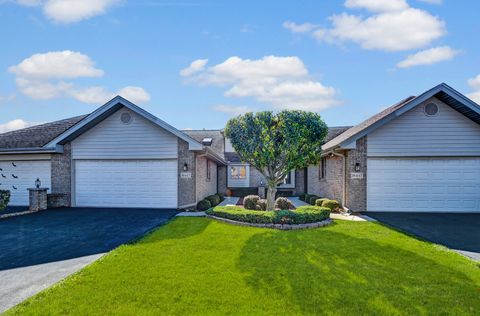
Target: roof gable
443, 92
111, 107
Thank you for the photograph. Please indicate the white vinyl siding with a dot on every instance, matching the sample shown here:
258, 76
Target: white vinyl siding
126, 183
112, 139
423, 185
19, 175
448, 133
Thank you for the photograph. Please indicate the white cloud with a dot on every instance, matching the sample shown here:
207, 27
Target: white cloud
429, 57
71, 11
195, 66
378, 5
14, 125
100, 95
231, 109
283, 82
61, 64
474, 83
299, 28
392, 26
49, 75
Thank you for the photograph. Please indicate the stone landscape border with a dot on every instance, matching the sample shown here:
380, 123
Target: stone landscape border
323, 223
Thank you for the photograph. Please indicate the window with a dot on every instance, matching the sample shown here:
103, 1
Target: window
322, 172
209, 171
238, 172
288, 179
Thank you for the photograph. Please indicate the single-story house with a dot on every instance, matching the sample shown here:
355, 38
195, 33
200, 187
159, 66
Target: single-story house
422, 154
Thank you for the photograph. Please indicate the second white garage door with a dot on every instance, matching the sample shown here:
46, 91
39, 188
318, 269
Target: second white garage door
126, 183
423, 185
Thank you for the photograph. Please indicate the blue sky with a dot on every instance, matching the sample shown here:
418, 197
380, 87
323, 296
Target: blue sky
344, 59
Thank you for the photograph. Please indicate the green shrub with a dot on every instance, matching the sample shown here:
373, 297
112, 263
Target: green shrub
302, 215
333, 205
307, 198
213, 199
312, 199
262, 205
250, 202
4, 199
301, 197
221, 197
319, 202
283, 203
203, 205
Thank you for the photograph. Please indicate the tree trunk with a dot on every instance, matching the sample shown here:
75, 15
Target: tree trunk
271, 192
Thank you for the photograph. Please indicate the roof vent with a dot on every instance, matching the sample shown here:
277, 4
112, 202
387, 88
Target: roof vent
431, 109
207, 141
126, 118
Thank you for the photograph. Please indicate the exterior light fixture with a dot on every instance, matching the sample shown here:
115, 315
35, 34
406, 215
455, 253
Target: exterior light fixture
185, 167
357, 167
38, 183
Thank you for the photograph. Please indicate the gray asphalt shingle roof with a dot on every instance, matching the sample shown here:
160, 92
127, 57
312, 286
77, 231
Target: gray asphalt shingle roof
36, 136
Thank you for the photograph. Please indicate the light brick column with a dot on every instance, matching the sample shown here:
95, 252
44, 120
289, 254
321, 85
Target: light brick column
37, 199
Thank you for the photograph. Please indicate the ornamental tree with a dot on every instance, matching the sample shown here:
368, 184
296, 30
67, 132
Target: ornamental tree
275, 144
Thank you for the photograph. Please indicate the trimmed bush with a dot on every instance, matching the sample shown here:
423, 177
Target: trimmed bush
319, 202
250, 202
333, 205
213, 199
203, 205
283, 203
312, 199
4, 199
307, 198
301, 197
262, 205
221, 197
302, 215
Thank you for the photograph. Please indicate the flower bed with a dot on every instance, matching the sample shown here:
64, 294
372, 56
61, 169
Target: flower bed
304, 215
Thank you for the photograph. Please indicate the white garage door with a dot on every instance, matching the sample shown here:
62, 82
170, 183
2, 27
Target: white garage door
126, 183
423, 185
18, 176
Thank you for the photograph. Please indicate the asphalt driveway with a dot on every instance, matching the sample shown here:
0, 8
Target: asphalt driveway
460, 232
39, 249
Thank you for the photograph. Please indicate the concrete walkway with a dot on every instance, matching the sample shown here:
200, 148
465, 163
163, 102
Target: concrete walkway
229, 201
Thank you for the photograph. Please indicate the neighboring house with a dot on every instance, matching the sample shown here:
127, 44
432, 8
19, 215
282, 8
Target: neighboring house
421, 154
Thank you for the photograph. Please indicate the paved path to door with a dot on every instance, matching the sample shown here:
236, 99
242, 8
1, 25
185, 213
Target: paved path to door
460, 232
40, 249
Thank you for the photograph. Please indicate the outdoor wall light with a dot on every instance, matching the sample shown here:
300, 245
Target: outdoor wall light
357, 167
38, 183
185, 167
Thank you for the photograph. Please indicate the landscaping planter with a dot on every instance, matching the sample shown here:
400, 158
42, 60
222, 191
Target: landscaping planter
323, 223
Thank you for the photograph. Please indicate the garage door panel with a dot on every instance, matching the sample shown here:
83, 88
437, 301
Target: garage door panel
429, 185
126, 183
18, 176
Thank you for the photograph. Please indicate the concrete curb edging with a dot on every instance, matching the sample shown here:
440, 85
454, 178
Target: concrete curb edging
8, 215
323, 223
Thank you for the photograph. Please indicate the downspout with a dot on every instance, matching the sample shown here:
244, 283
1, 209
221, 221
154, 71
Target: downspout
344, 180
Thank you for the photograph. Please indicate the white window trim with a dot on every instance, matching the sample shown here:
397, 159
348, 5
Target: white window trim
291, 185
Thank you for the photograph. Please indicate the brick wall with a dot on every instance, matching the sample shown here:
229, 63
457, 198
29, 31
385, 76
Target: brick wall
205, 186
61, 172
332, 185
357, 188
222, 179
186, 186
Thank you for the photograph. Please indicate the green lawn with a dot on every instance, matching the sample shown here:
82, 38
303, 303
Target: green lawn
197, 266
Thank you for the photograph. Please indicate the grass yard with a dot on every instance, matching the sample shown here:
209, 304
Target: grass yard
199, 266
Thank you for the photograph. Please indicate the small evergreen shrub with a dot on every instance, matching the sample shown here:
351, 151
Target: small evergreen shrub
250, 202
319, 202
262, 205
213, 199
283, 203
203, 205
312, 199
333, 205
221, 197
4, 199
301, 197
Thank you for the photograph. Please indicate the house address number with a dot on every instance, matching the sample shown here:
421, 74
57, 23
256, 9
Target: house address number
185, 175
356, 175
